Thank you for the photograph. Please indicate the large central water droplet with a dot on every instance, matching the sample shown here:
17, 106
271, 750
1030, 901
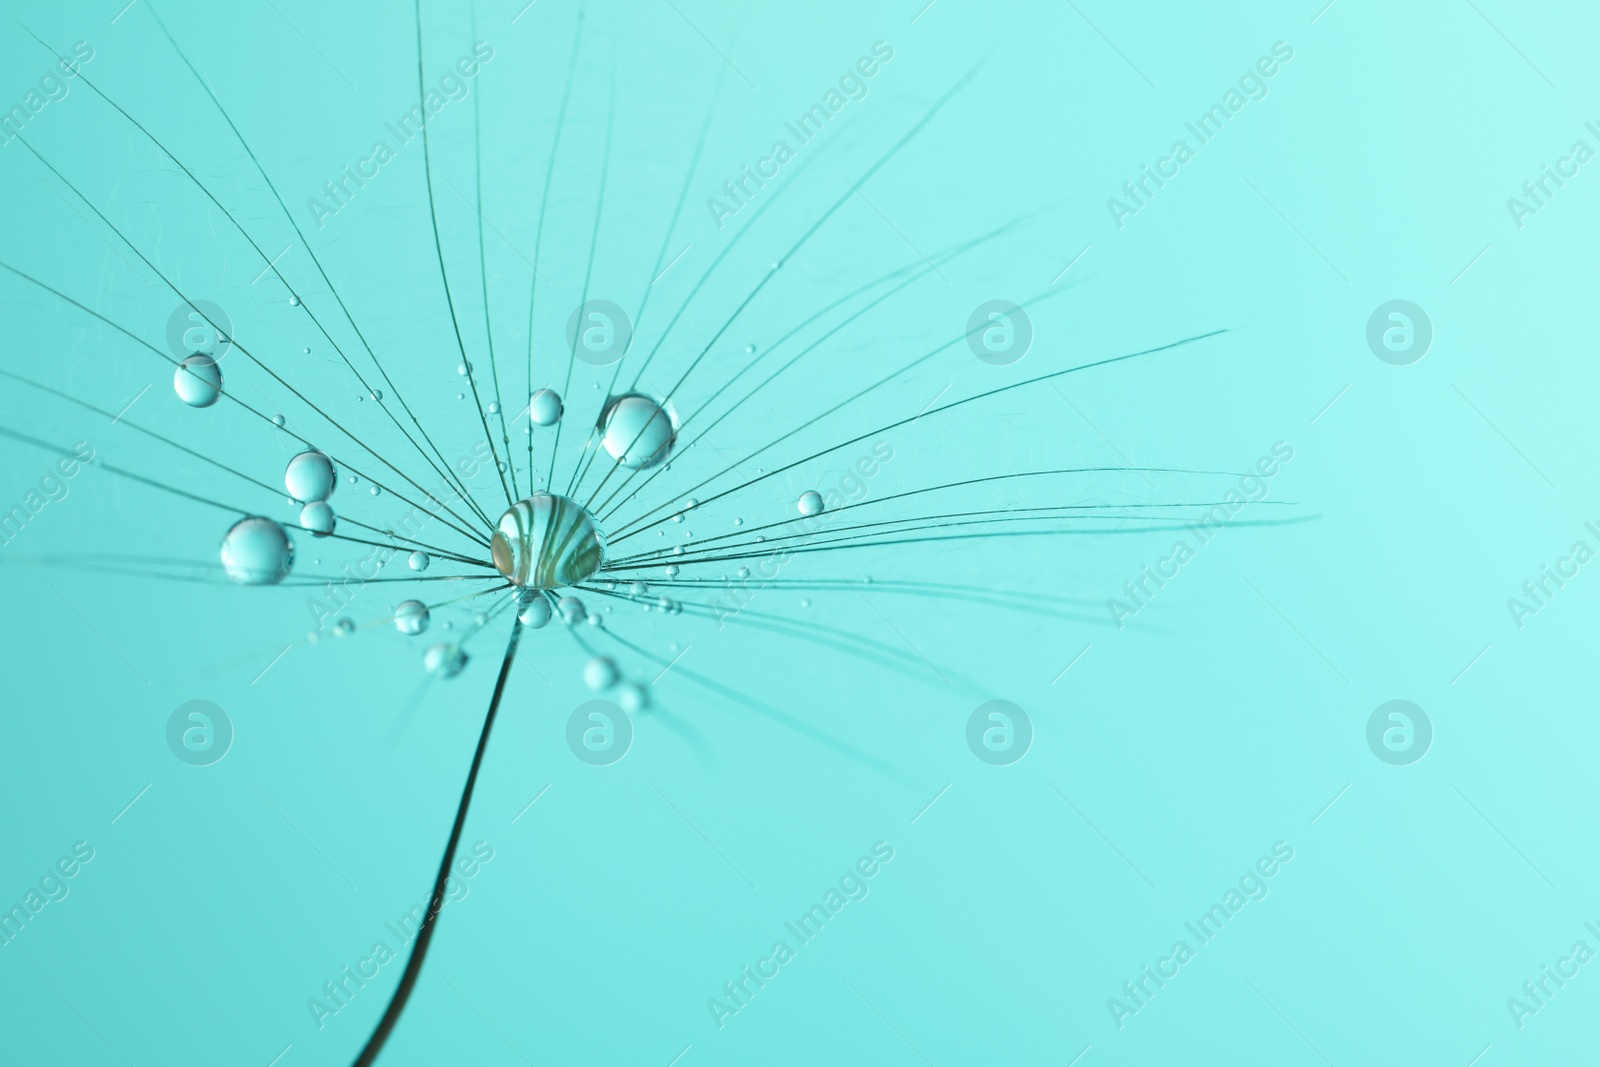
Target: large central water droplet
547, 542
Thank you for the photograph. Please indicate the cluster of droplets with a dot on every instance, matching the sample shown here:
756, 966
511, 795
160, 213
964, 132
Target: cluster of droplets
636, 430
311, 480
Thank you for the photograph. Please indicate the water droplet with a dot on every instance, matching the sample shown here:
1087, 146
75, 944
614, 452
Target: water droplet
464, 369
344, 628
805, 602
535, 613
738, 522
544, 407
494, 407
672, 570
637, 430
418, 561
310, 476
600, 673
445, 660
198, 381
744, 572
278, 421
571, 609
678, 517
677, 550
690, 504
305, 351
810, 502
411, 617
594, 620
317, 517
375, 491
294, 301
546, 541
638, 589
461, 396
749, 350
359, 398
257, 551
632, 697
377, 394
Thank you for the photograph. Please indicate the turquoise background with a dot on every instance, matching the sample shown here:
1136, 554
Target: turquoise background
1228, 715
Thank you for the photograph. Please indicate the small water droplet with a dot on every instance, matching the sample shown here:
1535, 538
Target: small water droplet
278, 421
632, 697
344, 628
445, 660
749, 350
317, 517
600, 673
464, 369
672, 570
294, 301
418, 561
571, 608
198, 381
257, 551
375, 491
810, 502
637, 431
494, 407
310, 476
535, 613
411, 617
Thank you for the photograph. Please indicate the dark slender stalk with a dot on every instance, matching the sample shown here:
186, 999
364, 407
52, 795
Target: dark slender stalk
419, 948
